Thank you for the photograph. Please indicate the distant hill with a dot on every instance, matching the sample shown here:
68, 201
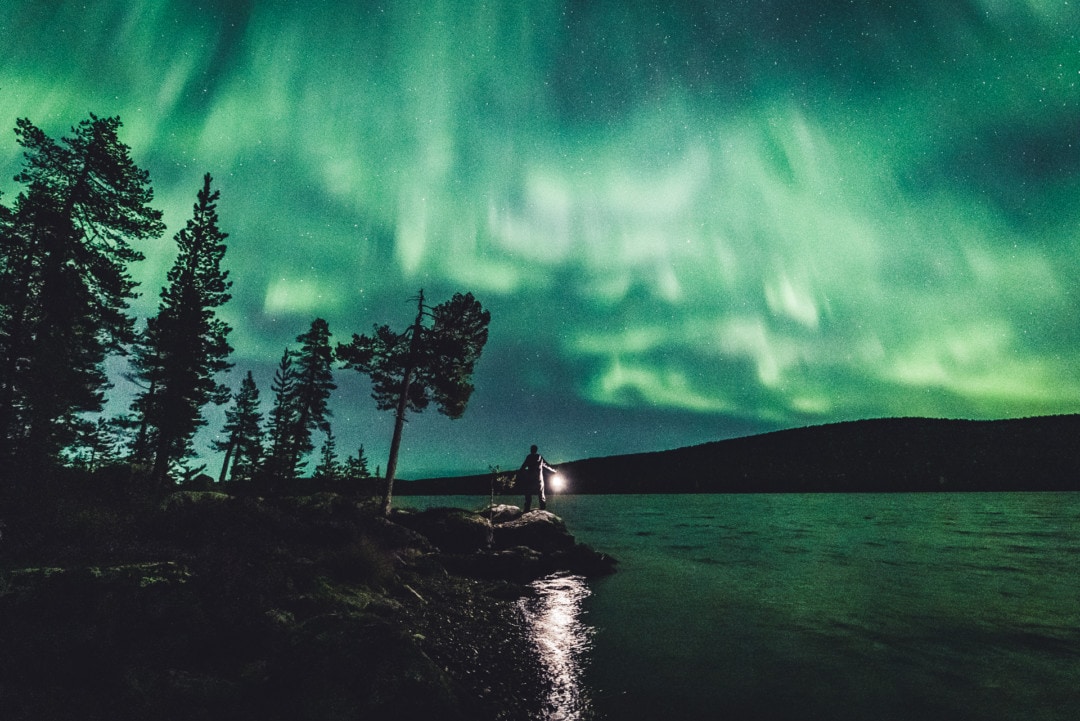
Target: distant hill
889, 454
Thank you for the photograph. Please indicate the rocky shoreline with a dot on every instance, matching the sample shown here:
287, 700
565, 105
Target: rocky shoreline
316, 607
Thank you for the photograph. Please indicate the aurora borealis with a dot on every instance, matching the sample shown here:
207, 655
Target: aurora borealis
689, 222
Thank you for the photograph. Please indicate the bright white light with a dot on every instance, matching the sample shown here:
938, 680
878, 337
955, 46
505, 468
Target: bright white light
556, 482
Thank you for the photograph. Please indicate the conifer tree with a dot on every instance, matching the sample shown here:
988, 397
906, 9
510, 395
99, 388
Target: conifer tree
8, 257
96, 445
243, 445
328, 468
281, 461
302, 389
5, 223
184, 346
356, 467
431, 360
64, 281
314, 383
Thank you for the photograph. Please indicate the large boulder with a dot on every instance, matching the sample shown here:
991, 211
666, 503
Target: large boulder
502, 513
541, 531
523, 548
452, 530
398, 537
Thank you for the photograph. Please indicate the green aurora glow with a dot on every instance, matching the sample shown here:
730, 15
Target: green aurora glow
688, 223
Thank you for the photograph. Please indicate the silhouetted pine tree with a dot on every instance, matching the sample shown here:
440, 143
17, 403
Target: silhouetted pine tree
98, 444
8, 258
64, 283
184, 346
281, 461
356, 467
244, 436
328, 468
125, 428
314, 383
6, 218
426, 362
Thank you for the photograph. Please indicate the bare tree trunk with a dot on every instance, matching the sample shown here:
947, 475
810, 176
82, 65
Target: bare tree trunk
403, 405
162, 458
228, 457
395, 441
140, 451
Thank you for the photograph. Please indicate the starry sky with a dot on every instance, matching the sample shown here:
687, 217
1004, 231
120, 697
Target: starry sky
690, 221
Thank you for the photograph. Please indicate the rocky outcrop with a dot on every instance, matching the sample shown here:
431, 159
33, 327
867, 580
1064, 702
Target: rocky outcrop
504, 543
316, 607
451, 530
541, 531
502, 512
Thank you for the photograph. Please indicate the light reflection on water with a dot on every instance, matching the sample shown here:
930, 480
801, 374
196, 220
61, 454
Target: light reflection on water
562, 640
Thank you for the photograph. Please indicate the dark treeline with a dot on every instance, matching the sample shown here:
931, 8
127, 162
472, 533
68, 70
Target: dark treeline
67, 241
881, 455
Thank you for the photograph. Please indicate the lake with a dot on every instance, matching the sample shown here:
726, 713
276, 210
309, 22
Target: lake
816, 606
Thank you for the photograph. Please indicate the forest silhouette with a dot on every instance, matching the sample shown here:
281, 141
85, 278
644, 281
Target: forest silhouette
69, 239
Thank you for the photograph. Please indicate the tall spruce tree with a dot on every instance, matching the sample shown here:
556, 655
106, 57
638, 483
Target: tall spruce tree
303, 384
243, 444
281, 461
314, 383
432, 360
64, 282
12, 257
185, 345
7, 258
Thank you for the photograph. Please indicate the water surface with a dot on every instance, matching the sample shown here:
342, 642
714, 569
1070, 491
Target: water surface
830, 606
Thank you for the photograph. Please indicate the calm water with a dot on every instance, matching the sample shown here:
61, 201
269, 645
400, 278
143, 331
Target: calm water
891, 606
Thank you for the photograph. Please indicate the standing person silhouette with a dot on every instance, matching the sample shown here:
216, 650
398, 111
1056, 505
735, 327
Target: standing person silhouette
531, 474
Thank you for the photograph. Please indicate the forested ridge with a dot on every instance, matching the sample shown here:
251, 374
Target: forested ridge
874, 455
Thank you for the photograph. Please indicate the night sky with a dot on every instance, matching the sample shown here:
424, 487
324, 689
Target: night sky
689, 223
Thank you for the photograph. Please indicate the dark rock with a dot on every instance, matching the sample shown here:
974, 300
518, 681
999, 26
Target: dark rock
584, 560
452, 530
540, 530
518, 565
401, 540
502, 513
518, 550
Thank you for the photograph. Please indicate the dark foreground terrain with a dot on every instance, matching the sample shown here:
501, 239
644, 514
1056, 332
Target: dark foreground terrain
212, 606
